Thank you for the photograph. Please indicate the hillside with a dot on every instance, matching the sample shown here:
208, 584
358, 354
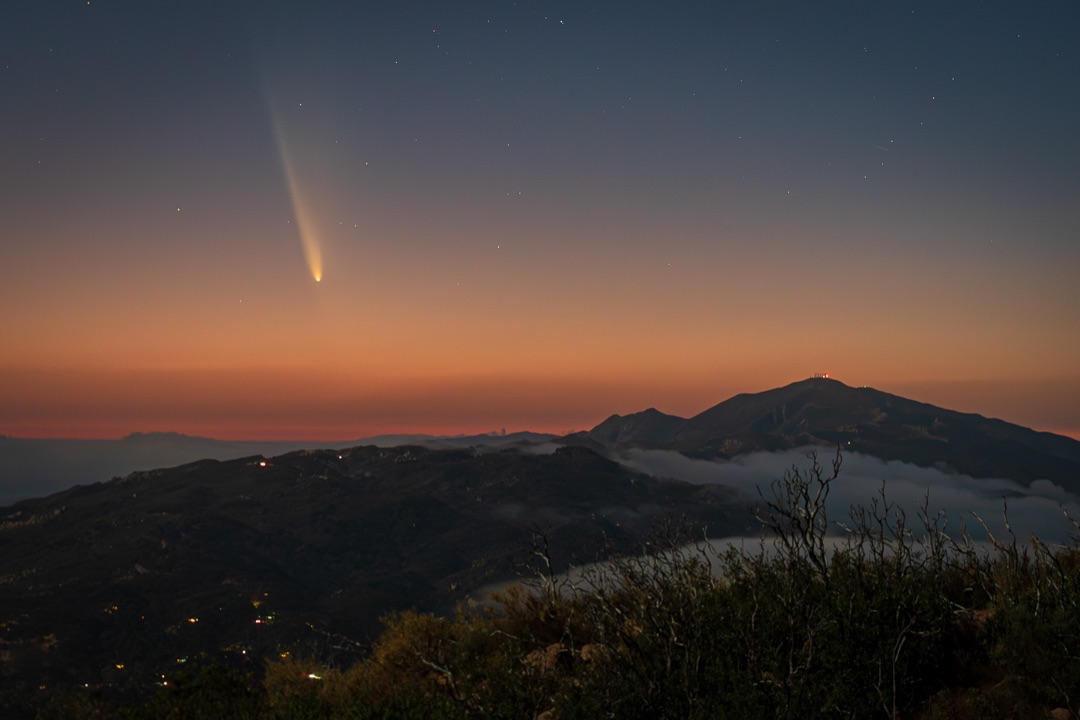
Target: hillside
35, 467
826, 412
117, 582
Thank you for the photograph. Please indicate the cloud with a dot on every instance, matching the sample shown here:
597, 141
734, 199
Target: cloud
547, 448
964, 502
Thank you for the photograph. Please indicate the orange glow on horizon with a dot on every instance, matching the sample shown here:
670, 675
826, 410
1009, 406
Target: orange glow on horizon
272, 404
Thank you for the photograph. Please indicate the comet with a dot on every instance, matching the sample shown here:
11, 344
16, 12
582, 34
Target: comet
301, 206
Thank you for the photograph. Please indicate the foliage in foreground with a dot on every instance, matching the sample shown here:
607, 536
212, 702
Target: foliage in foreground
887, 621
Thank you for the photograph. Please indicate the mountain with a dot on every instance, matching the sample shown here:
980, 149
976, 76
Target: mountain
39, 467
121, 582
116, 584
648, 427
822, 411
34, 467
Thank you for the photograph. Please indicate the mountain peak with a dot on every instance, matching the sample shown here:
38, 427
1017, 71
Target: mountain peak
824, 411
644, 427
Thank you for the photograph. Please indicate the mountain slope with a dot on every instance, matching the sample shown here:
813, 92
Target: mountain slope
827, 412
39, 467
117, 582
646, 427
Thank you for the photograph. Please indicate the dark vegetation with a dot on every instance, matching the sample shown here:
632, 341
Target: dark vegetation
881, 616
113, 585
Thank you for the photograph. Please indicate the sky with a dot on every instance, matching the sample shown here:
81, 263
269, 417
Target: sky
327, 220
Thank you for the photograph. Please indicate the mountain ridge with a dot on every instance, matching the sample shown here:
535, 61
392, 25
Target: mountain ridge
111, 583
36, 467
828, 413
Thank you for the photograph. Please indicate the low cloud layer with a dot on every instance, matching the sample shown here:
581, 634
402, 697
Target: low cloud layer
1038, 509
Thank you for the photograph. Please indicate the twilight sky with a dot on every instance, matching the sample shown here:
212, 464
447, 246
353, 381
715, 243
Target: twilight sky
325, 220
